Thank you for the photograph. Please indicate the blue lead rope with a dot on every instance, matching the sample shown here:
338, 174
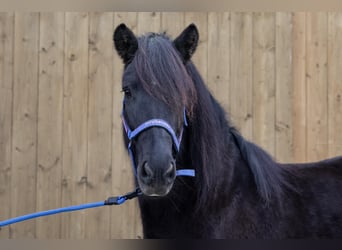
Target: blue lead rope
118, 200
50, 212
110, 201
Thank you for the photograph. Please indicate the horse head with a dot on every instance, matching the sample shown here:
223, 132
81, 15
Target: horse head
158, 97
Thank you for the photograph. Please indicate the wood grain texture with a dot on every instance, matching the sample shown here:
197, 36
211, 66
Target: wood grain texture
99, 170
284, 91
219, 56
148, 22
75, 123
50, 121
173, 23
316, 84
264, 80
25, 110
6, 101
334, 84
241, 73
299, 120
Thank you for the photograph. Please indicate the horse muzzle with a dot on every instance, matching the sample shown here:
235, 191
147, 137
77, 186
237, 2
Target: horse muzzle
156, 180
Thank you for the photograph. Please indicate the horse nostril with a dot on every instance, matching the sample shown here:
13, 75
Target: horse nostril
146, 171
170, 174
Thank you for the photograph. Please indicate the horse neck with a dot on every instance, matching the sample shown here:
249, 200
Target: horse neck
210, 148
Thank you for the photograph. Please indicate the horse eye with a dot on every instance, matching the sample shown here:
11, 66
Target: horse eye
127, 92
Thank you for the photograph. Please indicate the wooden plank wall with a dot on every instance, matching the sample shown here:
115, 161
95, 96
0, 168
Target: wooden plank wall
277, 74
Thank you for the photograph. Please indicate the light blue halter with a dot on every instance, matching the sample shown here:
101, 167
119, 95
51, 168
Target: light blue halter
131, 134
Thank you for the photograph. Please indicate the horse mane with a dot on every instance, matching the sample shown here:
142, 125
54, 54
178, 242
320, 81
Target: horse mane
215, 140
268, 175
165, 76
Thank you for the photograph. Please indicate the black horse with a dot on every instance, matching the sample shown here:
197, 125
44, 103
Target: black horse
239, 191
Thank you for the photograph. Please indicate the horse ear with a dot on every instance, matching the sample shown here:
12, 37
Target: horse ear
125, 42
186, 43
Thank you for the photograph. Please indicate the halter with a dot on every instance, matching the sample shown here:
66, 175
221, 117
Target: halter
160, 123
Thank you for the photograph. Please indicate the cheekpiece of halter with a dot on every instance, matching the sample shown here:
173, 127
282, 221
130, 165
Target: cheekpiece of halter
131, 134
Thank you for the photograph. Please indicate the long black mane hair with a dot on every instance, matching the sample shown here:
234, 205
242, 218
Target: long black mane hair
219, 145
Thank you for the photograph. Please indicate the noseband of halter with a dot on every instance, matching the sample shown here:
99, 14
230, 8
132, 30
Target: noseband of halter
160, 123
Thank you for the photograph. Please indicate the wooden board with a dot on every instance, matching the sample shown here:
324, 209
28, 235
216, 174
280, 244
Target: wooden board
25, 104
6, 99
283, 111
99, 170
241, 73
334, 84
75, 123
172, 23
316, 84
299, 120
264, 80
219, 56
50, 121
148, 22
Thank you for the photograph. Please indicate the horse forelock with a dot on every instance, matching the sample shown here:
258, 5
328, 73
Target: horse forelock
162, 72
